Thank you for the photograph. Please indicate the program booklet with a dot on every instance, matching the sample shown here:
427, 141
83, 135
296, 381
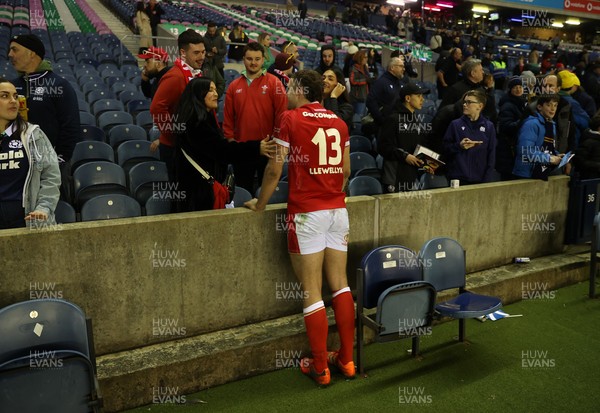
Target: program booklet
430, 158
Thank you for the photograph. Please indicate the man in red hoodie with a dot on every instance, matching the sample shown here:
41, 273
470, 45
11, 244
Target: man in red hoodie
164, 104
253, 103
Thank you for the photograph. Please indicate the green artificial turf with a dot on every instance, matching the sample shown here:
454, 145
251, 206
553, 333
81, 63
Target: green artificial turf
546, 361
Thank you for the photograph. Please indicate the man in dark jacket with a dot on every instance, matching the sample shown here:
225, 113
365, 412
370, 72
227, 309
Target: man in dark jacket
587, 156
216, 49
155, 67
384, 91
398, 138
472, 72
591, 81
327, 59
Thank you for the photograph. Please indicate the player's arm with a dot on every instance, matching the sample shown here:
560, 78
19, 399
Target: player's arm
346, 166
271, 179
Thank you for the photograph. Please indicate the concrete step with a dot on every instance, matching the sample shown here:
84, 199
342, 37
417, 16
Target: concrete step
127, 379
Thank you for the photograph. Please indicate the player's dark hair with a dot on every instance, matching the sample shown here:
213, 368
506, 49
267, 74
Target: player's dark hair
311, 83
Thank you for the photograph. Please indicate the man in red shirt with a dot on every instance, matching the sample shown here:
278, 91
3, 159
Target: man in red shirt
164, 103
253, 102
316, 143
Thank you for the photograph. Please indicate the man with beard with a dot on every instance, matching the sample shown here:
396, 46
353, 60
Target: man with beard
398, 138
253, 103
155, 67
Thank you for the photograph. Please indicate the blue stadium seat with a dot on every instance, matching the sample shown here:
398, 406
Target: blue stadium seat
65, 213
98, 178
110, 206
130, 153
109, 119
364, 185
142, 179
121, 133
90, 151
280, 195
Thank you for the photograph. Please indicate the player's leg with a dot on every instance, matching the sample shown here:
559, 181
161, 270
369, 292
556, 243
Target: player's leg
343, 304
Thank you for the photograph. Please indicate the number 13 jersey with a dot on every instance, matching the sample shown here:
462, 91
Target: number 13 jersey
316, 139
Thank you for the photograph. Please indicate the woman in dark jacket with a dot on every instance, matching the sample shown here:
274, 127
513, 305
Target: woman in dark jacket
510, 117
202, 140
335, 97
236, 51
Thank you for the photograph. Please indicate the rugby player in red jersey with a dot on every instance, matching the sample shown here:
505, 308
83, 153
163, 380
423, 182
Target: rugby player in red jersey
316, 143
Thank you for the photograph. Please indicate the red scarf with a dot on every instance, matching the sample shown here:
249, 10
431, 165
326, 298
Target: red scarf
188, 72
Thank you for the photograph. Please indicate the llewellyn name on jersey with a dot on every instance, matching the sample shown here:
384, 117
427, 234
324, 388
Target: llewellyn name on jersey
328, 170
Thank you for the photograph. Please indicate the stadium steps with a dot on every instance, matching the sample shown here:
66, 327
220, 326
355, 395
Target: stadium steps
66, 17
118, 28
208, 360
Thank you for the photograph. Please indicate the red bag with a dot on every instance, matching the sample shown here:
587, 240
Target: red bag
221, 195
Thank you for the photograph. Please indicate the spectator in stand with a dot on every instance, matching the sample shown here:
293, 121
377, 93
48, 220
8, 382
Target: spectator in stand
576, 91
519, 67
142, 22
449, 71
291, 49
202, 140
29, 187
529, 84
335, 97
359, 82
384, 91
473, 79
435, 43
537, 145
458, 42
372, 60
398, 138
264, 39
155, 11
420, 32
546, 66
327, 59
470, 143
533, 62
216, 48
253, 103
349, 60
51, 100
587, 155
332, 13
192, 53
499, 71
155, 66
476, 43
510, 116
591, 81
409, 70
303, 9
236, 51
282, 68
568, 84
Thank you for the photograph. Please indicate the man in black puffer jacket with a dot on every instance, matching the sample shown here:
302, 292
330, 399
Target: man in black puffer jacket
587, 156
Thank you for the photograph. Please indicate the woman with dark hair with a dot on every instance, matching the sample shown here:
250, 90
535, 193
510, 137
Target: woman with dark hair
236, 51
335, 97
202, 140
372, 60
29, 173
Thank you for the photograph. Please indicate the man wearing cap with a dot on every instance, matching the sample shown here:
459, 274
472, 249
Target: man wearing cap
164, 103
253, 103
572, 86
215, 47
51, 101
283, 68
398, 138
155, 67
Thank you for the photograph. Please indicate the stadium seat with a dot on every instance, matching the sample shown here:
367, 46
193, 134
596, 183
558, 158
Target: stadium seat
127, 96
359, 143
389, 278
86, 118
47, 345
130, 153
240, 196
96, 95
135, 106
92, 133
360, 160
157, 206
90, 151
144, 119
65, 213
109, 119
110, 206
105, 105
98, 178
444, 266
364, 185
280, 195
121, 133
142, 178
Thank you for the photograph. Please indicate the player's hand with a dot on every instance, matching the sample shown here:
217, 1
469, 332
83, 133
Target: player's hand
268, 147
253, 205
413, 160
154, 145
337, 91
36, 216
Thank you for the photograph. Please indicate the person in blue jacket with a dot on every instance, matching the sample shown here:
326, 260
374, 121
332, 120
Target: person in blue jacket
469, 145
536, 145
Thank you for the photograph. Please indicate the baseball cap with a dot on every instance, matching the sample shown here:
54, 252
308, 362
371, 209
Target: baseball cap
413, 89
31, 42
155, 53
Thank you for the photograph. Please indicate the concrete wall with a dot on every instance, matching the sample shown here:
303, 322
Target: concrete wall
152, 279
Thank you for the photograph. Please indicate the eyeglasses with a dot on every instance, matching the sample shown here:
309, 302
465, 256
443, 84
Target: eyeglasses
469, 102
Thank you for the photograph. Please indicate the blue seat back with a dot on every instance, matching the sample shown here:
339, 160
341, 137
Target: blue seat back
385, 267
110, 207
364, 185
443, 263
404, 309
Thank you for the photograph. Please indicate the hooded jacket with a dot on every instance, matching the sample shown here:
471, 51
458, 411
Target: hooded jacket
531, 139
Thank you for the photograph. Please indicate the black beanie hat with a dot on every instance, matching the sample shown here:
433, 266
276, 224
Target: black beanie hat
31, 42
